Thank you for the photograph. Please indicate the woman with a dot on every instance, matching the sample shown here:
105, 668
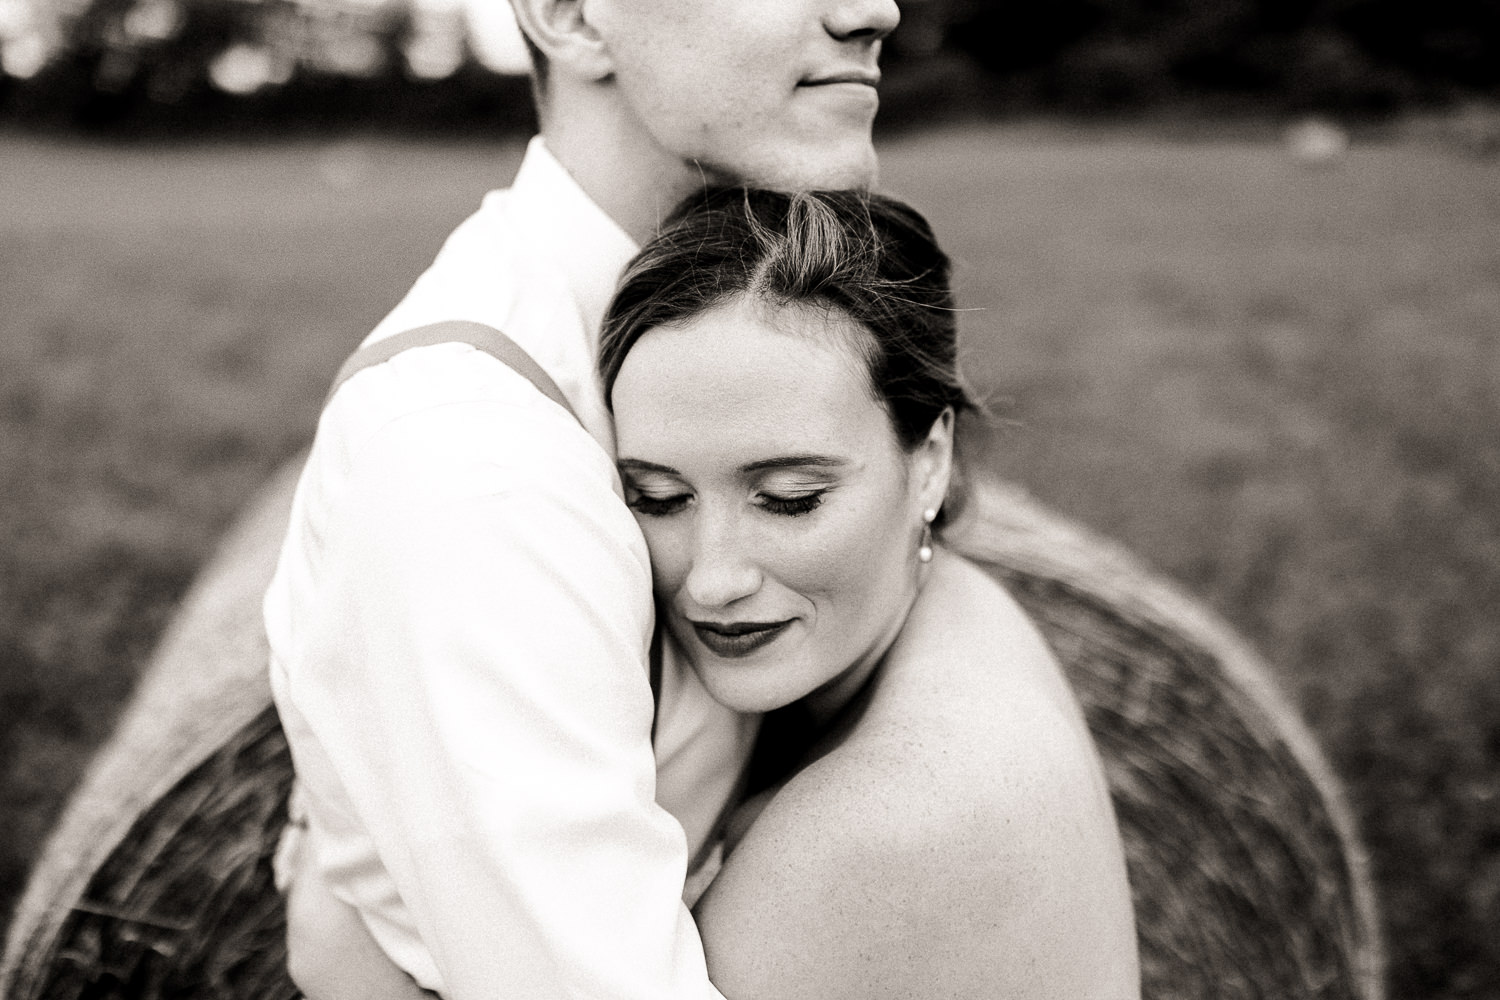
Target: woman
928, 815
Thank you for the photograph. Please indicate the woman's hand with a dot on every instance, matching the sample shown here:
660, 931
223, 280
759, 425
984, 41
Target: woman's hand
330, 953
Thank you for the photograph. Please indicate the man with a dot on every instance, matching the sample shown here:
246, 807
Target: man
460, 619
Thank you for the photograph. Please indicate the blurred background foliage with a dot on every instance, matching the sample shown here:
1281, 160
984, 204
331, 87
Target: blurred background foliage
229, 65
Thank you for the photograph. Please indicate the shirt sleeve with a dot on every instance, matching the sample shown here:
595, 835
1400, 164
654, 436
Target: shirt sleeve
476, 673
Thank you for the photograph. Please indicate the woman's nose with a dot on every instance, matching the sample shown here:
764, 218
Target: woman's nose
862, 20
722, 570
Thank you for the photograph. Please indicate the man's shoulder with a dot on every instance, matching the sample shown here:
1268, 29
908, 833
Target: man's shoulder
482, 276
452, 408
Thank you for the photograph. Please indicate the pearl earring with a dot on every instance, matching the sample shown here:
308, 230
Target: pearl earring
924, 551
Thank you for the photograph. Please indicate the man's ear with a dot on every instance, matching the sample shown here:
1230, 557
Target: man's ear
561, 30
932, 462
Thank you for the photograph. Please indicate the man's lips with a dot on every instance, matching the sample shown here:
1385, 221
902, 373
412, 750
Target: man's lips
736, 639
867, 77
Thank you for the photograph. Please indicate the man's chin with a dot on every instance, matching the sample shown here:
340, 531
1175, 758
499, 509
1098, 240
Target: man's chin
854, 168
861, 175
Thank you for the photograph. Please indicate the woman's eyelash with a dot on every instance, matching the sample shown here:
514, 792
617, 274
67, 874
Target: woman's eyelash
786, 506
658, 506
791, 506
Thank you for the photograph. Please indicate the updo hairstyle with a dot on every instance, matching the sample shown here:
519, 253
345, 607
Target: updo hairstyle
869, 257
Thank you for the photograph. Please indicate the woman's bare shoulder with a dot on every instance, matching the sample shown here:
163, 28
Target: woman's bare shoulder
959, 840
971, 672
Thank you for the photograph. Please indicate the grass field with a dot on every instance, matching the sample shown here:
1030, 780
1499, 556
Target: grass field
1279, 385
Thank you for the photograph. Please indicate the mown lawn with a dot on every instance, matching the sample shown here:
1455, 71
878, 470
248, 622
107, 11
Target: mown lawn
1280, 385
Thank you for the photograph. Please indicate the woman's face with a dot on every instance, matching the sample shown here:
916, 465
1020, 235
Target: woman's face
782, 515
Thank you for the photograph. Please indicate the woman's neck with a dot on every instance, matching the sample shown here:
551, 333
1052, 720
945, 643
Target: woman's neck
797, 735
827, 703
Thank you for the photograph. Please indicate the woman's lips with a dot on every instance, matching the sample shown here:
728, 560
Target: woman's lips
736, 639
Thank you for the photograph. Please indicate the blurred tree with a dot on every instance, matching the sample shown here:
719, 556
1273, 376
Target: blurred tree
166, 63
1353, 55
234, 64
1453, 40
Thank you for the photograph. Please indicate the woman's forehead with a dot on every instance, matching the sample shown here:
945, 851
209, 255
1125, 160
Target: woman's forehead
748, 370
748, 338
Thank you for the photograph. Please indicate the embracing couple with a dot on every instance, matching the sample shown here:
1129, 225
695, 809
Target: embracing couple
684, 355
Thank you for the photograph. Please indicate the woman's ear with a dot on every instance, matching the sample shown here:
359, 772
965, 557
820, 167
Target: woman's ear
561, 30
932, 462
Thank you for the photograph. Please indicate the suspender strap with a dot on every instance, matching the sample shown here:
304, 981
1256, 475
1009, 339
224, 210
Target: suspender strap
484, 338
496, 344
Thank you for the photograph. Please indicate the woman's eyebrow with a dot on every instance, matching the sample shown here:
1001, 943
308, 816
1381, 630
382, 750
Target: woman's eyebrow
795, 461
640, 465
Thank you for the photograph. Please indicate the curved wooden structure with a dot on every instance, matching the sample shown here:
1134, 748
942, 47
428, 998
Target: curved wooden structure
1249, 880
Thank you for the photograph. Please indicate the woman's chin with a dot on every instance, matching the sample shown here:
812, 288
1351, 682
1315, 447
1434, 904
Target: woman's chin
751, 682
732, 684
752, 703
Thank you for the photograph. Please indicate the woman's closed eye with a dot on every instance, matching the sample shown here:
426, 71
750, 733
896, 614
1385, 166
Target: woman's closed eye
664, 505
791, 492
653, 490
792, 505
656, 504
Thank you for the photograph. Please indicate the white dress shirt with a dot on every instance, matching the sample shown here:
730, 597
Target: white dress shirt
459, 626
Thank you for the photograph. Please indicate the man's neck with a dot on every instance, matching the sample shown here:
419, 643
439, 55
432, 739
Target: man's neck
633, 180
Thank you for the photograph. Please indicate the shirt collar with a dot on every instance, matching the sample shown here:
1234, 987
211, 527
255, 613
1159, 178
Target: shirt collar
569, 229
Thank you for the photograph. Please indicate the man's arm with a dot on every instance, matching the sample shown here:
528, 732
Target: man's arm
476, 676
330, 954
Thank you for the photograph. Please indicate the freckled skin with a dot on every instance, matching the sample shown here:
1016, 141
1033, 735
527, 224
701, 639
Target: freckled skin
743, 384
957, 841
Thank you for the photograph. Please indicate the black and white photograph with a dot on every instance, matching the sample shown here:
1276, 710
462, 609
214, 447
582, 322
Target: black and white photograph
749, 499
